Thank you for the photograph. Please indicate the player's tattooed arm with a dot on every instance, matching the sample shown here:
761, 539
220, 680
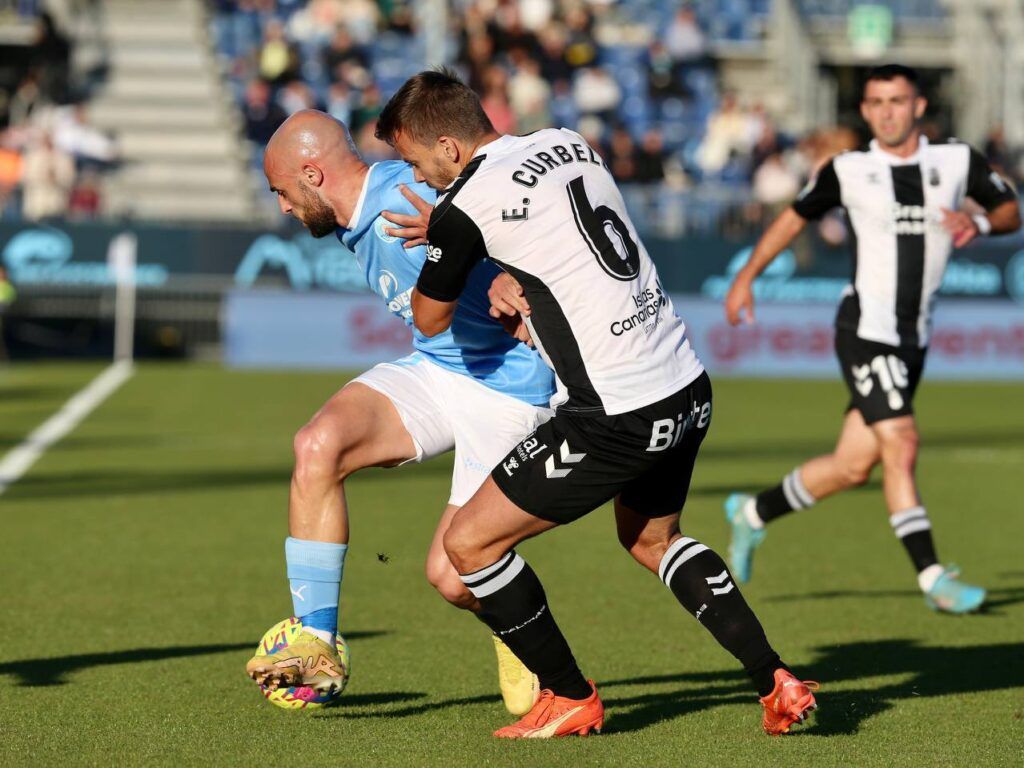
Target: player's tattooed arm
412, 229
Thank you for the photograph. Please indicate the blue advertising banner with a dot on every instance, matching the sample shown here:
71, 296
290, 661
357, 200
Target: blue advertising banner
75, 254
971, 339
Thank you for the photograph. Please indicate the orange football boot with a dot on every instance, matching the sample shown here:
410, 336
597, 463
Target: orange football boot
558, 716
788, 703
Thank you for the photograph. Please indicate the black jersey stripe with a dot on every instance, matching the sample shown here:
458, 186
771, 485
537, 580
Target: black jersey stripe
848, 315
445, 197
908, 191
556, 336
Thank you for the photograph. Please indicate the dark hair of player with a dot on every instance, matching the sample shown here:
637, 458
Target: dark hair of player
432, 104
889, 72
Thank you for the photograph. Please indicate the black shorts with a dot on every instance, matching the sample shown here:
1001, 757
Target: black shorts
881, 379
573, 464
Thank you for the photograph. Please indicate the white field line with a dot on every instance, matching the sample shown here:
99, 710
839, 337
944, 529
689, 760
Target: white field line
20, 459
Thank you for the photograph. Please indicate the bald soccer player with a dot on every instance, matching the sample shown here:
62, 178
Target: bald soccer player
474, 389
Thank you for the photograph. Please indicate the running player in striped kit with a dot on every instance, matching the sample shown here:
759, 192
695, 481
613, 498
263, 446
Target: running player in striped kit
903, 197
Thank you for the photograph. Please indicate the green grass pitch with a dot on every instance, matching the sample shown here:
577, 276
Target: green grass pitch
143, 559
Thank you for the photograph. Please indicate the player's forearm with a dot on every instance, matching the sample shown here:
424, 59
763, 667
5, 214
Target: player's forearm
1004, 218
430, 316
776, 238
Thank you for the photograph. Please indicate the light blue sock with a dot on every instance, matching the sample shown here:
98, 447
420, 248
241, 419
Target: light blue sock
314, 571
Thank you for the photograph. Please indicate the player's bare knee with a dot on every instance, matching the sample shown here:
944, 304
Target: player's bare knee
450, 587
899, 449
319, 453
856, 474
650, 547
458, 545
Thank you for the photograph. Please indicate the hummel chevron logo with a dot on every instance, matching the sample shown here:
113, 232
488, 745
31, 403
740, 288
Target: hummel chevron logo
719, 579
568, 457
298, 592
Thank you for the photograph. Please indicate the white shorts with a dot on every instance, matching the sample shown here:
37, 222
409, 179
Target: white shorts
443, 410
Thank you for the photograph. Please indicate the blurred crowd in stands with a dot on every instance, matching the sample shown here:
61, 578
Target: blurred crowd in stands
687, 155
638, 78
50, 157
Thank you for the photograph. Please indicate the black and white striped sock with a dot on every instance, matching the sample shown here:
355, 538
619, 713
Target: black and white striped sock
702, 584
914, 530
787, 496
514, 606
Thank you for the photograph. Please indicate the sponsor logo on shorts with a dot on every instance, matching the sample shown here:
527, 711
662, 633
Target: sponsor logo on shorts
433, 253
666, 433
525, 451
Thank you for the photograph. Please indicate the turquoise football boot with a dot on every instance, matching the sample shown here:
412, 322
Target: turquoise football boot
950, 595
745, 538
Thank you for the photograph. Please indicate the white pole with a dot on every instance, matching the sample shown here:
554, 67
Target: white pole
121, 260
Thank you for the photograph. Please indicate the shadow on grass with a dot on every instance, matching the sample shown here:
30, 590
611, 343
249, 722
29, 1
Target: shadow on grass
54, 671
798, 449
998, 597
922, 672
932, 671
44, 392
125, 482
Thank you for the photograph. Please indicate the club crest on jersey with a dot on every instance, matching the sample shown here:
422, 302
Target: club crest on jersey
379, 227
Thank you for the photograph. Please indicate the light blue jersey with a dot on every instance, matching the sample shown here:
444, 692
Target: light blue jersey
475, 345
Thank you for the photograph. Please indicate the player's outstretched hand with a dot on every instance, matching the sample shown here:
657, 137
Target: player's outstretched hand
413, 229
739, 302
507, 299
960, 226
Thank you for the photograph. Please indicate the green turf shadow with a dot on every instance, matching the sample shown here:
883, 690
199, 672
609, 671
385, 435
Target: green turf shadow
54, 671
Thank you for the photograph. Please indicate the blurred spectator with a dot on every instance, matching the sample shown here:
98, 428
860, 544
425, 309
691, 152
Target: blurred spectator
596, 93
581, 48
262, 115
343, 50
47, 176
51, 56
775, 185
27, 98
278, 59
400, 17
494, 99
663, 80
651, 156
1000, 156
296, 96
372, 149
728, 134
73, 134
84, 202
339, 102
371, 104
620, 156
552, 55
684, 39
10, 179
529, 96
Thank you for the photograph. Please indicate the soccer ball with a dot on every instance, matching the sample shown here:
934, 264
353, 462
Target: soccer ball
299, 697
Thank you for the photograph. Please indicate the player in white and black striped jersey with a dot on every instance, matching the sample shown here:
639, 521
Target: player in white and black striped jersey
903, 198
545, 208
